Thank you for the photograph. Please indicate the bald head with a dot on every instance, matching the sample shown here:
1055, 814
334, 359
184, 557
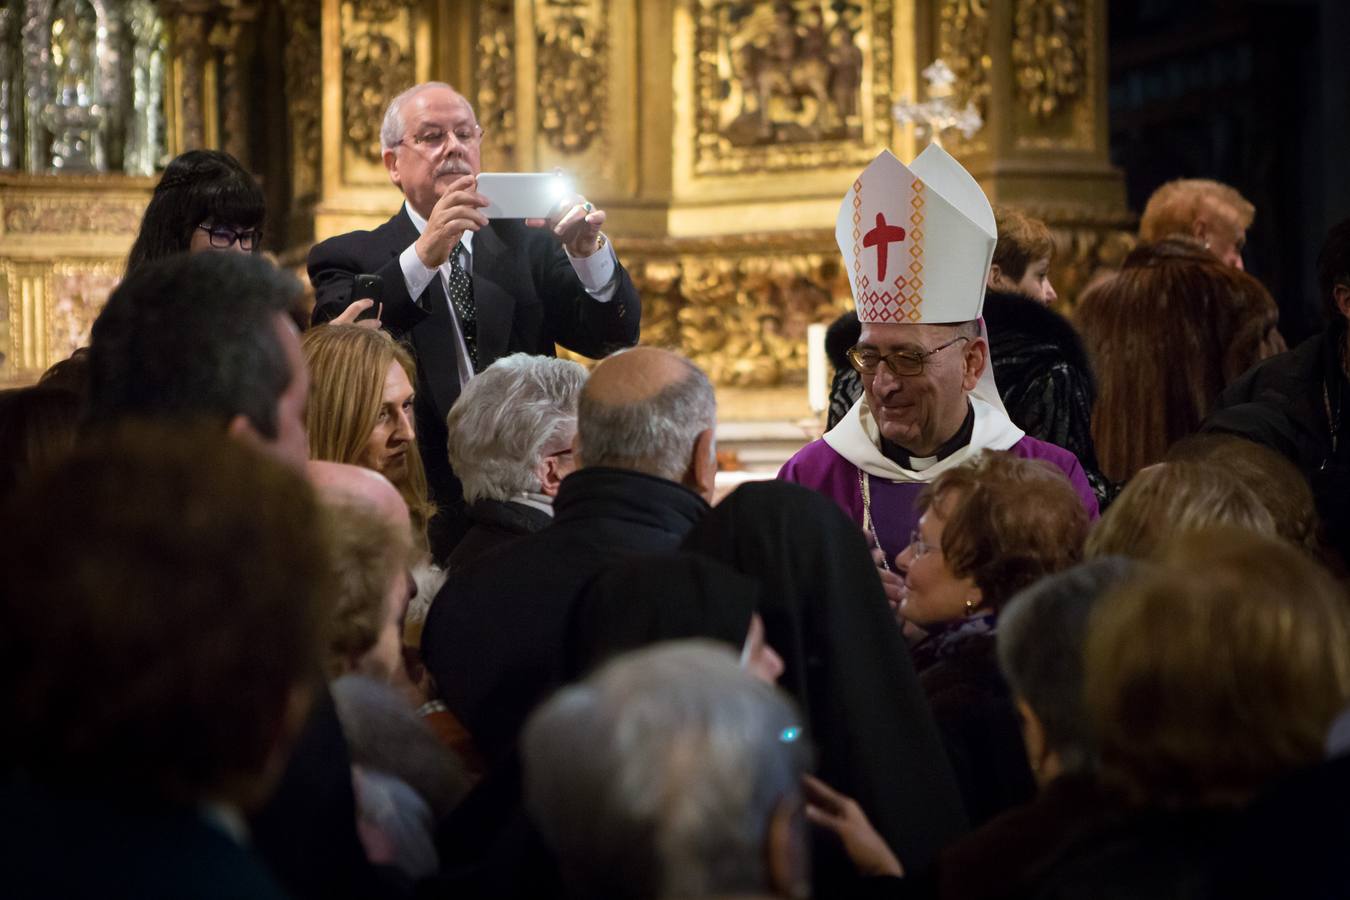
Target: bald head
339, 484
647, 410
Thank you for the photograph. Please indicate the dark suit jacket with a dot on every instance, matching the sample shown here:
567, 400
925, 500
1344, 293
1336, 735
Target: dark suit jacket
528, 298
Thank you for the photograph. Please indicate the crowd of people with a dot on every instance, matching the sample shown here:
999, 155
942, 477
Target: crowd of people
374, 597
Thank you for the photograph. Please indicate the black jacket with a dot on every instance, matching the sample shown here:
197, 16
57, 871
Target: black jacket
491, 524
527, 295
1290, 403
494, 637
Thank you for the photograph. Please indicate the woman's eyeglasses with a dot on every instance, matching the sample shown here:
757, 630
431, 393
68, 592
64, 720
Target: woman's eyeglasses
223, 237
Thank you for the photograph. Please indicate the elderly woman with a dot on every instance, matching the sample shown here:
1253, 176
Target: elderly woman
1206, 681
361, 410
512, 456
205, 200
1167, 334
987, 530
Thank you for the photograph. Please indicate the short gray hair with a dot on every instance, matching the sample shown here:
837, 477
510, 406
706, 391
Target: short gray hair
504, 418
391, 130
659, 775
655, 435
1042, 632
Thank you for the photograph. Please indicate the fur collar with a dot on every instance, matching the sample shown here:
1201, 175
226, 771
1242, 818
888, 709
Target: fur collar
1007, 314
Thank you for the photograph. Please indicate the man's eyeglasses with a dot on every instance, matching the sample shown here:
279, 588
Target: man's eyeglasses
434, 139
223, 237
901, 362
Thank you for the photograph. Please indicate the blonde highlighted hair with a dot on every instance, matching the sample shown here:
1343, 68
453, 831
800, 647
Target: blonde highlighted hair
348, 365
1176, 206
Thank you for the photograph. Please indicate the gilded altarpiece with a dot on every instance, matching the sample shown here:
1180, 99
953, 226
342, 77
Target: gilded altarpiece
719, 136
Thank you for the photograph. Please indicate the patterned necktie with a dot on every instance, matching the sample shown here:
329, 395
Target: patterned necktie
461, 297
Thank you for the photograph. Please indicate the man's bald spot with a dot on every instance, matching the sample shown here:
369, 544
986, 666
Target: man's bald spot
636, 375
340, 483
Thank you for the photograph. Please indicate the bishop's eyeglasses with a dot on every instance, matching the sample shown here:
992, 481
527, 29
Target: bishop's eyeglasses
901, 362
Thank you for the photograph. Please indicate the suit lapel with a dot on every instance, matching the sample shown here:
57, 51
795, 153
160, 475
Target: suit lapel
496, 307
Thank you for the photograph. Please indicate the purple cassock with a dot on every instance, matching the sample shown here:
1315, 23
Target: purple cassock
848, 459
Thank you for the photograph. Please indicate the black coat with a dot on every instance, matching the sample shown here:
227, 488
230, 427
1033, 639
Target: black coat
491, 524
528, 298
494, 637
1045, 378
845, 664
73, 845
974, 711
1289, 403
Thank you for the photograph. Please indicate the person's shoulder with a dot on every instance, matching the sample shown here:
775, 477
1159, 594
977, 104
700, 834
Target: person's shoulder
358, 242
1034, 448
810, 463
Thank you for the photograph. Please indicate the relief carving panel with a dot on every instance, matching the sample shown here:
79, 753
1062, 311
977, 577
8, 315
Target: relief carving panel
790, 85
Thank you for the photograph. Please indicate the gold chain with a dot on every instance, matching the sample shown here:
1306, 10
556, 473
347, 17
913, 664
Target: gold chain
865, 486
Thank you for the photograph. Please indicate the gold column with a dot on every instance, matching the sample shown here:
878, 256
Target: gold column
1036, 70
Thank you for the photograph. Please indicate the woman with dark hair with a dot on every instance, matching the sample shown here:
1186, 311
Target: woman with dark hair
1167, 334
205, 200
845, 664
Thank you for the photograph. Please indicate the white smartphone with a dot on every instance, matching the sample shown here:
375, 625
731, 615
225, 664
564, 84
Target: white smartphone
522, 195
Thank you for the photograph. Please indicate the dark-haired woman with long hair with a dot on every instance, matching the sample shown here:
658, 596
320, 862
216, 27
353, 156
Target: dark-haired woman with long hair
205, 200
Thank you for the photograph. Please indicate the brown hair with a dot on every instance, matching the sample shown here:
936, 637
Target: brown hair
37, 427
1174, 207
1275, 481
348, 365
1021, 241
1166, 336
367, 557
1169, 499
1218, 672
1008, 522
164, 596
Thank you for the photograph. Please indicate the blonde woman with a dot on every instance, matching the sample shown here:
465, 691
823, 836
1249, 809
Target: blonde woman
361, 410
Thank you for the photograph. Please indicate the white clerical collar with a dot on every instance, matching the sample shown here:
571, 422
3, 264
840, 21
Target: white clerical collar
421, 225
858, 439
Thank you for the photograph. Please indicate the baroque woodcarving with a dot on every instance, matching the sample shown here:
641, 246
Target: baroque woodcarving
787, 86
963, 44
377, 63
495, 77
80, 215
572, 73
304, 80
1048, 54
739, 307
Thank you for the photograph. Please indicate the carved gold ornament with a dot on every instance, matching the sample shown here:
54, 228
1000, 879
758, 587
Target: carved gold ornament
572, 74
495, 75
1048, 53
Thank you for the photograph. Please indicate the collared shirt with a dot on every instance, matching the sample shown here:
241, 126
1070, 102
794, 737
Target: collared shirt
596, 273
535, 500
901, 457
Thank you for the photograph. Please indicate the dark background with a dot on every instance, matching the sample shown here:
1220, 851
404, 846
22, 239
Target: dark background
1254, 93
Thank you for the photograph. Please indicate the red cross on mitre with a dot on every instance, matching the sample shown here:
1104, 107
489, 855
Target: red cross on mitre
881, 237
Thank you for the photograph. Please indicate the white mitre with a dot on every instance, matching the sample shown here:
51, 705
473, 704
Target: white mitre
917, 240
